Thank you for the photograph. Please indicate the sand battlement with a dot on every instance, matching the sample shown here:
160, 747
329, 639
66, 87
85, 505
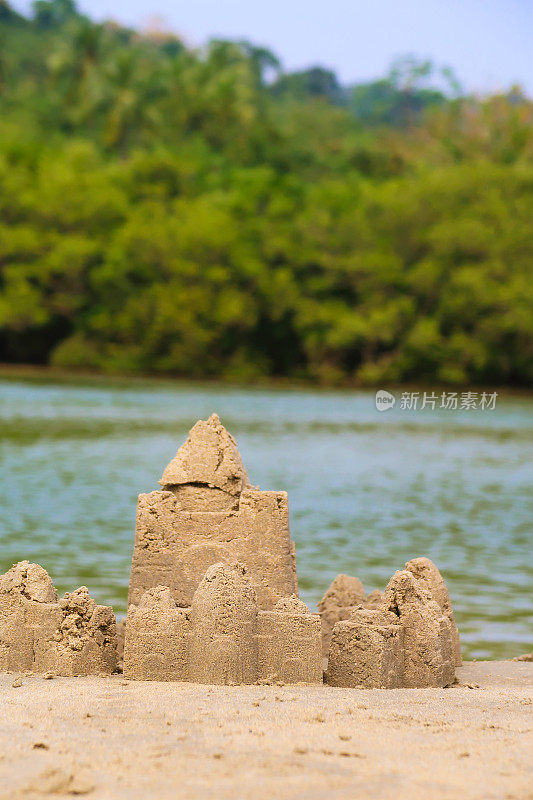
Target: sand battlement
223, 638
41, 633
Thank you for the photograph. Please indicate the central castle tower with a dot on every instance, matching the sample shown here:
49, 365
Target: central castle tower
207, 512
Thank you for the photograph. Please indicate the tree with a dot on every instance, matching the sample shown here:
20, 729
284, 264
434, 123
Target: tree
310, 83
54, 13
200, 213
404, 94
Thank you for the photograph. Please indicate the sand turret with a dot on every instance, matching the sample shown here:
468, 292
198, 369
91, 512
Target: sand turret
156, 643
404, 639
367, 650
338, 603
41, 633
427, 632
207, 513
427, 573
290, 643
224, 624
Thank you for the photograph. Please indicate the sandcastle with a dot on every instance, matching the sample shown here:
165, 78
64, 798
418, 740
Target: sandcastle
213, 592
405, 638
41, 633
213, 597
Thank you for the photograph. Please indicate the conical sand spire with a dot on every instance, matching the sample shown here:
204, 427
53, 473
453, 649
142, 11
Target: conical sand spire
210, 457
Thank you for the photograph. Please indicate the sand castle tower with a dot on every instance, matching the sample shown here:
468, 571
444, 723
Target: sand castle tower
289, 643
338, 603
426, 573
207, 512
224, 622
428, 642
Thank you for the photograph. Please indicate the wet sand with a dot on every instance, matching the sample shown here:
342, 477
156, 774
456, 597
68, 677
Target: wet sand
110, 738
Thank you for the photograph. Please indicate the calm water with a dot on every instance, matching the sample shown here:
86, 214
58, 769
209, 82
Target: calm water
367, 490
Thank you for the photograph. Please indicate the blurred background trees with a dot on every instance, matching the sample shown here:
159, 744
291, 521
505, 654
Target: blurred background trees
203, 213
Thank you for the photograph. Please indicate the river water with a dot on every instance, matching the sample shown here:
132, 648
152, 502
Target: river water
368, 490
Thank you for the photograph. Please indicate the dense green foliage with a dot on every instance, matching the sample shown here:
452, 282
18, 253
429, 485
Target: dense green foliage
203, 214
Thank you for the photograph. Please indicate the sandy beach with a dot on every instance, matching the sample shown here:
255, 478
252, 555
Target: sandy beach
111, 738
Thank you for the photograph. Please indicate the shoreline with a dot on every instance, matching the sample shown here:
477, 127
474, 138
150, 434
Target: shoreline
43, 374
111, 738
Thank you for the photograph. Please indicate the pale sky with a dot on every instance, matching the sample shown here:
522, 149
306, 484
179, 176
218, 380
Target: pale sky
487, 42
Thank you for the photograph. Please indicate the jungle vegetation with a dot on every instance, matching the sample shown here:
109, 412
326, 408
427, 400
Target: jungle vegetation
203, 213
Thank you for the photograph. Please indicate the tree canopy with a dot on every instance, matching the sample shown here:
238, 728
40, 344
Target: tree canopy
203, 213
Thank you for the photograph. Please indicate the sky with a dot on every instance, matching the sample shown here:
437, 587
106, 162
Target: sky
488, 43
